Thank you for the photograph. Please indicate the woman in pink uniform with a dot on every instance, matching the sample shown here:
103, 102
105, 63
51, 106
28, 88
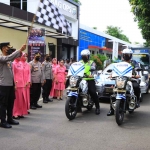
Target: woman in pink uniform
27, 79
60, 78
54, 66
19, 105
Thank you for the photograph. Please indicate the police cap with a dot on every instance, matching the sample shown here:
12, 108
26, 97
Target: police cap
37, 54
5, 44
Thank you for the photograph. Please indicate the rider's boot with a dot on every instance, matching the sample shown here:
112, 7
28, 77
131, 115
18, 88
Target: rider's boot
111, 111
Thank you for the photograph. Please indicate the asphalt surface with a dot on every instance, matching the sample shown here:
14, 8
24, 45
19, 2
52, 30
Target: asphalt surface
49, 129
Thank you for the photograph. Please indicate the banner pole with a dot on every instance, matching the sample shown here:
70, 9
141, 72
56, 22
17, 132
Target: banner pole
32, 23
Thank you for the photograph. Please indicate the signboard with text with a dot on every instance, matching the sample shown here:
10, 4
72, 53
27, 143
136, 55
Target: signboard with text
36, 43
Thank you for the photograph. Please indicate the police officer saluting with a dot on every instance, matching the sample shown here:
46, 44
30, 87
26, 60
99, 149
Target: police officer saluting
47, 77
36, 80
7, 93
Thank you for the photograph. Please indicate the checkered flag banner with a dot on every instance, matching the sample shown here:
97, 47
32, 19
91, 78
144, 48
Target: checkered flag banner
49, 15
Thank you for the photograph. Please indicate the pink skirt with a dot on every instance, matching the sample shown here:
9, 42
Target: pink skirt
60, 86
53, 90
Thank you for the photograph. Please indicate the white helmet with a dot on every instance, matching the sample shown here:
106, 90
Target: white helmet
127, 54
127, 51
85, 52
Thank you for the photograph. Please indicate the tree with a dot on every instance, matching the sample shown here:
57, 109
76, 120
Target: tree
95, 28
140, 9
116, 32
77, 1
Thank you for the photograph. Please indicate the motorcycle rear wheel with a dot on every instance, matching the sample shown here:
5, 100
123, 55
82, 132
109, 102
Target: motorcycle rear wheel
119, 114
69, 109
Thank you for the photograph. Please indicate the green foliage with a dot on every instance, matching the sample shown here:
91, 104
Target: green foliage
141, 10
116, 32
99, 60
95, 28
77, 1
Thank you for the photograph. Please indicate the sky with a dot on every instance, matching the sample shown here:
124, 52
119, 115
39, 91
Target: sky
103, 13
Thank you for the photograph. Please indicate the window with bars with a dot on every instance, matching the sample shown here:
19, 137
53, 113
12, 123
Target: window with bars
21, 4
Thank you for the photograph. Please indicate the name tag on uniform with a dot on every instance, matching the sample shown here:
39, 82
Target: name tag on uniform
36, 68
9, 65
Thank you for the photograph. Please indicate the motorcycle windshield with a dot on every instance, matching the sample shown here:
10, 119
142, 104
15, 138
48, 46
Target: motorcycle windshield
76, 69
122, 69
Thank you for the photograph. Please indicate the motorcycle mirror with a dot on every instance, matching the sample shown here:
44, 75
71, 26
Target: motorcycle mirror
139, 69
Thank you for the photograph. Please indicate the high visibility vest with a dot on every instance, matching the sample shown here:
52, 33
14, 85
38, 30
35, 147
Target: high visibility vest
87, 68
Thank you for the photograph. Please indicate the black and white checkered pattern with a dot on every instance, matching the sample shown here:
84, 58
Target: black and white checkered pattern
49, 15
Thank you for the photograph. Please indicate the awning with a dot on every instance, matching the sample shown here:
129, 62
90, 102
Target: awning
102, 48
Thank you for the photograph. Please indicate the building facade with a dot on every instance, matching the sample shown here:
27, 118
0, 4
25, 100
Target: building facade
100, 43
16, 17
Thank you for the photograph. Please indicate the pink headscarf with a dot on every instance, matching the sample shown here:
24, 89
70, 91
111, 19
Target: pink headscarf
23, 57
54, 59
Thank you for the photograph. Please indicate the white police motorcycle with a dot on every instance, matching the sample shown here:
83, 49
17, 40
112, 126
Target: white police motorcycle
77, 92
123, 98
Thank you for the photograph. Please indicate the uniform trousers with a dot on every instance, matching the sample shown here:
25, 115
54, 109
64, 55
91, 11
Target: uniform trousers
35, 92
7, 97
92, 92
47, 88
136, 88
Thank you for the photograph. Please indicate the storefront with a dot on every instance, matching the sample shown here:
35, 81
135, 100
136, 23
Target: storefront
14, 24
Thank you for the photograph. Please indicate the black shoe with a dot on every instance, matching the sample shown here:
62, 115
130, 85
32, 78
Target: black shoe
32, 107
13, 122
21, 116
54, 97
5, 125
110, 113
38, 106
28, 112
138, 104
17, 117
97, 111
45, 100
79, 109
49, 100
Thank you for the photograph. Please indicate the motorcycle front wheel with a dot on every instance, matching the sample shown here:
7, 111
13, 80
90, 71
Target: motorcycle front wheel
70, 108
119, 115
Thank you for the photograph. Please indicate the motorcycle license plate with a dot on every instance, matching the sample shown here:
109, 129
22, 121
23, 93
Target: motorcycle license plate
109, 90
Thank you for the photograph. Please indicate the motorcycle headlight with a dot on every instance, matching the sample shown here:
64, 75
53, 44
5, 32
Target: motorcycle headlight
120, 82
73, 81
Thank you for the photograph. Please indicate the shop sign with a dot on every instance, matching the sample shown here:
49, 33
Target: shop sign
65, 8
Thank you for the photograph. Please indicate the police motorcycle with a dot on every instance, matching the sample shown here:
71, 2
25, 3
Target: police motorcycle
123, 98
77, 92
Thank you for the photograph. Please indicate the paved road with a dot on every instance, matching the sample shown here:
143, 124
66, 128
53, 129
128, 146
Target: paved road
49, 129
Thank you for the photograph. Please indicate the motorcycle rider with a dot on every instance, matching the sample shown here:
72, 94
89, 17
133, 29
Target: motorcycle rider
127, 56
90, 65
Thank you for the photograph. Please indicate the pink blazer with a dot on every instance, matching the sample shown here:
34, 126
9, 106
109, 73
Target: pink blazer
18, 74
26, 72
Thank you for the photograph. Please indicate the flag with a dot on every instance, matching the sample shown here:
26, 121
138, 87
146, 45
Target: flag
49, 15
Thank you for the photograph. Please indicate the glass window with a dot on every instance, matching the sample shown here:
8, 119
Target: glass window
24, 5
142, 58
17, 4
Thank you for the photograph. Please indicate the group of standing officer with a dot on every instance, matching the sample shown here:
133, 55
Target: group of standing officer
41, 76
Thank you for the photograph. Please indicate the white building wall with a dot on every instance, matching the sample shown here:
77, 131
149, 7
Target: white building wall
5, 2
32, 6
